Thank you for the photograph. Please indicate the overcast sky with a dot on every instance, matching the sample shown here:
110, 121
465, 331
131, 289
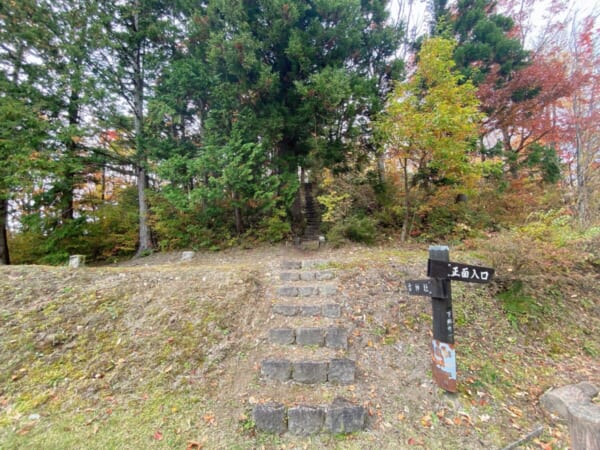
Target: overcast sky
418, 21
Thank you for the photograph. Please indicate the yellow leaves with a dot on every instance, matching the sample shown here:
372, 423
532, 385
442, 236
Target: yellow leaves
431, 419
209, 419
426, 421
514, 411
336, 205
34, 155
20, 374
433, 118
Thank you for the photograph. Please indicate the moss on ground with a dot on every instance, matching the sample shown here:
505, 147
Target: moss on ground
164, 356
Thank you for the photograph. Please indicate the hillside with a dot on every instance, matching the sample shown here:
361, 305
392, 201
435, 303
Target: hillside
160, 353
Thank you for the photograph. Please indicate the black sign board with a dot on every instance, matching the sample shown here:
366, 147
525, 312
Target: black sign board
459, 272
441, 272
427, 288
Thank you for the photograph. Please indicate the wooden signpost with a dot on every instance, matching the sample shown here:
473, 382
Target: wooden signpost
441, 271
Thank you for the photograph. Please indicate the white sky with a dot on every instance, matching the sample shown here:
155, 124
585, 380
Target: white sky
414, 11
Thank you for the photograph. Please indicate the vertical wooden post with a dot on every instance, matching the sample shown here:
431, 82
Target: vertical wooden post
443, 354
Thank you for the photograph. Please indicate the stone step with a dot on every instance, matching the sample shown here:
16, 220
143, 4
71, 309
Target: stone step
291, 265
306, 264
329, 310
310, 242
335, 370
306, 291
330, 337
341, 416
308, 275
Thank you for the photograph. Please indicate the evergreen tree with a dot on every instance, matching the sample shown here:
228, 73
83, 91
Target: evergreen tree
483, 36
23, 109
136, 44
70, 84
277, 86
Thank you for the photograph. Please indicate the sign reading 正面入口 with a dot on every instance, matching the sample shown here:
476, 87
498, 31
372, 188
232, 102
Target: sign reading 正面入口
459, 272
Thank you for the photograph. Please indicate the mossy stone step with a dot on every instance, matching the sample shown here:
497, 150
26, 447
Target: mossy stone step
330, 337
341, 416
306, 291
330, 310
307, 264
336, 370
310, 275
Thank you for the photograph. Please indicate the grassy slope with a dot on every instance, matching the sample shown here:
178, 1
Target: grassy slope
165, 355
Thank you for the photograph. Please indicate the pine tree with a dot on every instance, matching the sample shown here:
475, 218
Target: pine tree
134, 49
23, 110
277, 86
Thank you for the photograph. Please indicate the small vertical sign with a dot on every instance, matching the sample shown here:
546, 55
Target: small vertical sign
443, 354
441, 271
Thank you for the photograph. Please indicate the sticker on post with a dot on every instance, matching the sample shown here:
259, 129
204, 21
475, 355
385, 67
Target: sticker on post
443, 358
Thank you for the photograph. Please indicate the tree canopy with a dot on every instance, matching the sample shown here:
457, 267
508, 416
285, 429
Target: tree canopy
144, 124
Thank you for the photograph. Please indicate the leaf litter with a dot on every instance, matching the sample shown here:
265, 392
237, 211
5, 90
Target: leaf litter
167, 352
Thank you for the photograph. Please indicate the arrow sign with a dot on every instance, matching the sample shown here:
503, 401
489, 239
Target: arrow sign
459, 272
426, 288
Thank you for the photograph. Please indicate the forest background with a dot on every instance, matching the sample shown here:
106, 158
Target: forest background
142, 125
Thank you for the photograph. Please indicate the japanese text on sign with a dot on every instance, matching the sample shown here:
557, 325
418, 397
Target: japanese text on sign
459, 272
469, 274
419, 287
426, 288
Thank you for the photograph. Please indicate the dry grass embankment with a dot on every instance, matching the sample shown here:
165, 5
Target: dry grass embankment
163, 354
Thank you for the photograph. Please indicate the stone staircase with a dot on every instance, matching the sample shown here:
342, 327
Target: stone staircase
307, 347
311, 215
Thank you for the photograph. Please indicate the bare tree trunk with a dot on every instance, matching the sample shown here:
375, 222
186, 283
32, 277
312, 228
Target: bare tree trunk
581, 164
103, 183
237, 212
145, 235
381, 167
406, 221
582, 198
4, 254
68, 200
511, 155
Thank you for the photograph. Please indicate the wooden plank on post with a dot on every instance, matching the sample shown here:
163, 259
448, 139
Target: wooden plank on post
459, 272
426, 288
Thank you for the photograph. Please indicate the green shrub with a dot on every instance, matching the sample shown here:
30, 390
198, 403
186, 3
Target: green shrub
275, 228
520, 309
355, 229
109, 230
336, 206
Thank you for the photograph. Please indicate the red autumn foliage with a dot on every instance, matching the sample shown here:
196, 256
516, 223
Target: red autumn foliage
522, 109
